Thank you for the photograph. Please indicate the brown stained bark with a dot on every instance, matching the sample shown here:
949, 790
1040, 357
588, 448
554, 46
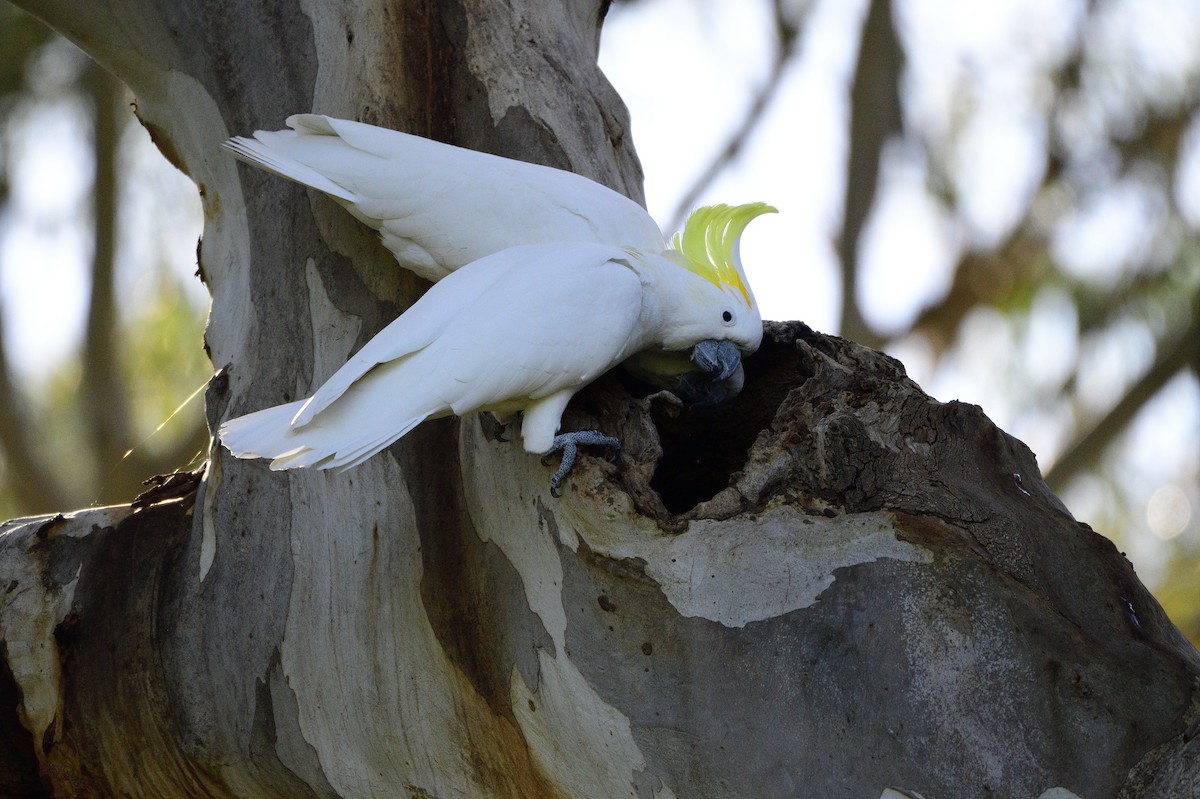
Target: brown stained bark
832, 586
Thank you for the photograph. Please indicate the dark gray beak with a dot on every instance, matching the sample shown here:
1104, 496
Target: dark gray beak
721, 379
720, 359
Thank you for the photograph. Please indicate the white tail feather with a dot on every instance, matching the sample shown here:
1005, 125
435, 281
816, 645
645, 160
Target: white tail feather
269, 434
262, 155
262, 434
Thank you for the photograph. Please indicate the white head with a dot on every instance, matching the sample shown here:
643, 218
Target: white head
719, 306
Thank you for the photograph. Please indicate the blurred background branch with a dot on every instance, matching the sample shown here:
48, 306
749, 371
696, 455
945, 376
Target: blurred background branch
1088, 447
874, 121
102, 388
787, 25
79, 427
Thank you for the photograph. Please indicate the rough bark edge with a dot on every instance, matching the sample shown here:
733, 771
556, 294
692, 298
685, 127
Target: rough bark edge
1171, 770
95, 604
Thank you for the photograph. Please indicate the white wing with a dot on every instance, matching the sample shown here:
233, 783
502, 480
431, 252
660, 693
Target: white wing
437, 206
436, 312
566, 315
500, 333
262, 434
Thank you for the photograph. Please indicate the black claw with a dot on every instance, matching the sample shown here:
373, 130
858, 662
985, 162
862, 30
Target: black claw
557, 480
493, 428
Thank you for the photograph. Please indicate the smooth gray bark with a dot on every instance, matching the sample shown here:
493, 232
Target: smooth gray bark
832, 586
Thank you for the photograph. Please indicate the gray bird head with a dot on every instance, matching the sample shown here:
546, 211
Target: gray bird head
707, 375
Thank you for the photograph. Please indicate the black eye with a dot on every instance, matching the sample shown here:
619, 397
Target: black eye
727, 317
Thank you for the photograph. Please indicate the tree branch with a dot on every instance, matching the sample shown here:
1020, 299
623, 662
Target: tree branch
105, 409
1088, 448
874, 119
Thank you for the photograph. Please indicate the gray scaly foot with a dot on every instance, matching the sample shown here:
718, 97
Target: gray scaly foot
569, 444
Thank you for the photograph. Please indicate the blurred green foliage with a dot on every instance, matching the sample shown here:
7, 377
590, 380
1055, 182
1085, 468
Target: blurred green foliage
150, 332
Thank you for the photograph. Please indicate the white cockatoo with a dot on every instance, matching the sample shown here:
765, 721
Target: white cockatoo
438, 207
524, 329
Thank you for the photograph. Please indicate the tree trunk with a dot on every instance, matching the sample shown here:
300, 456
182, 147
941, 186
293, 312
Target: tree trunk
832, 586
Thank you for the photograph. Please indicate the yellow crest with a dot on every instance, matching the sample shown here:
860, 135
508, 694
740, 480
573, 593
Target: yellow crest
709, 240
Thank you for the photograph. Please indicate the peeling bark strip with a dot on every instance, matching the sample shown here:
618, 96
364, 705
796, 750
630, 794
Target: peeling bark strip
835, 586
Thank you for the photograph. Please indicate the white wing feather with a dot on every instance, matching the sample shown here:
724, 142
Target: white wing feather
413, 330
437, 206
262, 434
500, 333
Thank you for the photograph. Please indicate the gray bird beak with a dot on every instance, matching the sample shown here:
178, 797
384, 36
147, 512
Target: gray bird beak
698, 390
720, 359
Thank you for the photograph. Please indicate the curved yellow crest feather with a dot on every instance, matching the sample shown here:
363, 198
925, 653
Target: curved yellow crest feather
709, 240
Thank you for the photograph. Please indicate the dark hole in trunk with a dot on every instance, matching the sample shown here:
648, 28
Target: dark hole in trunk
703, 449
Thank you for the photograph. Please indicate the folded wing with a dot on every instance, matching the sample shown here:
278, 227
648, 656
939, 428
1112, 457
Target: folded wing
501, 333
437, 206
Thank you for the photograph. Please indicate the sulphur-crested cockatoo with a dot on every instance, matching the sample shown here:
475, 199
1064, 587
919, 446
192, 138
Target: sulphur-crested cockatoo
523, 329
438, 207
